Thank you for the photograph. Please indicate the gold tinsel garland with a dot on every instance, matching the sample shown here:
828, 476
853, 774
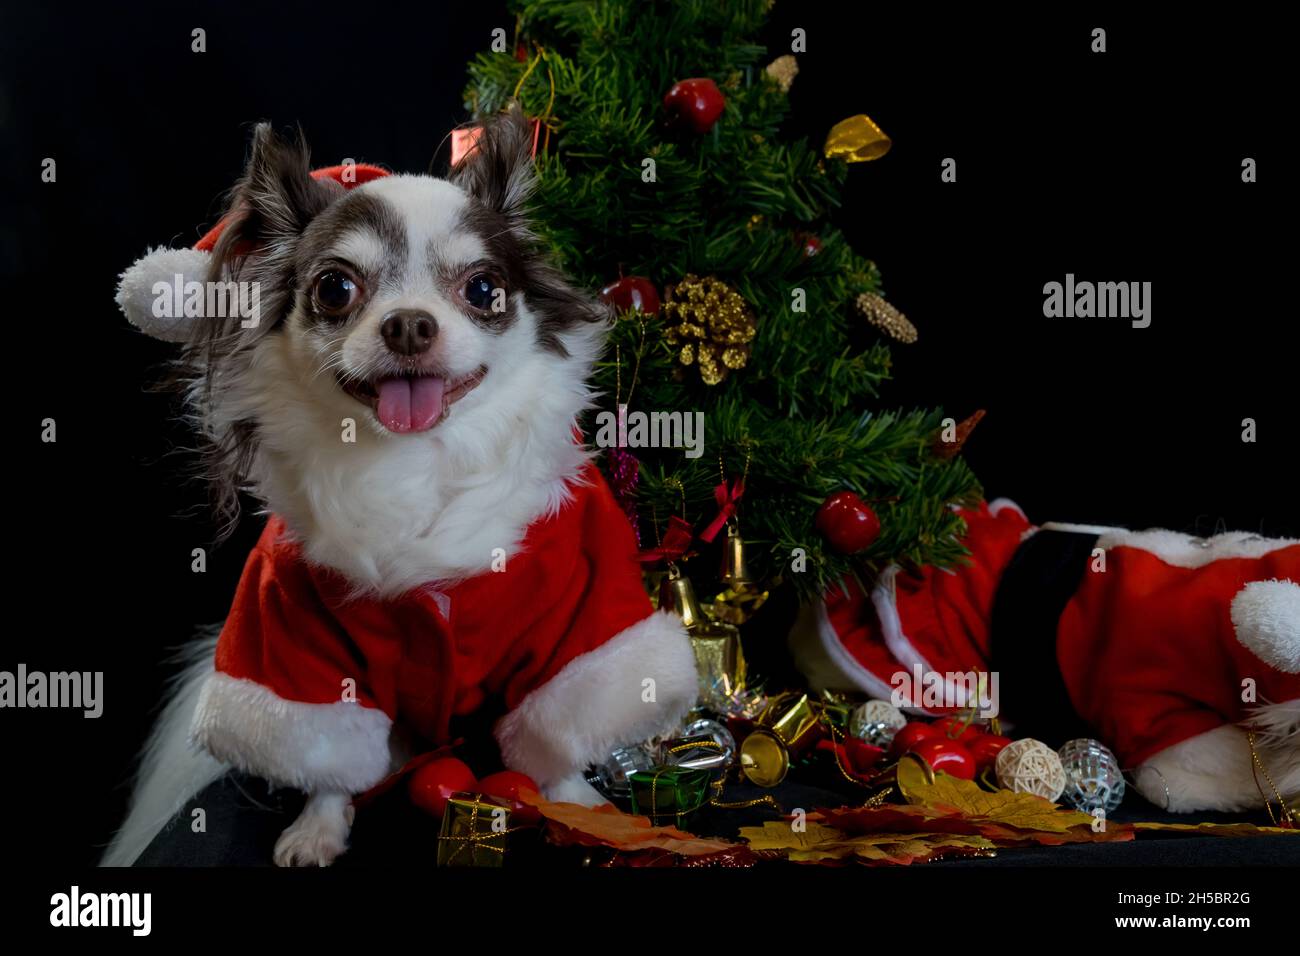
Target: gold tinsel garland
709, 324
885, 317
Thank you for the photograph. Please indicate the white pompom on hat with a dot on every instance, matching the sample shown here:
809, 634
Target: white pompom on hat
1266, 616
138, 293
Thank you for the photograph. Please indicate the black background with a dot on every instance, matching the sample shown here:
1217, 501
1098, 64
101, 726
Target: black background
1124, 166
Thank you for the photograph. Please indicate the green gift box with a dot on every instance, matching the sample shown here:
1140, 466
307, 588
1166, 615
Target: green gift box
473, 832
668, 795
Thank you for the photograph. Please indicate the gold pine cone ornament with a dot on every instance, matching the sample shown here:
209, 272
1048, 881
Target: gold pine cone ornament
709, 325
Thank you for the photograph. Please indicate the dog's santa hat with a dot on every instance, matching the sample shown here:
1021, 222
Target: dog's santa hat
137, 288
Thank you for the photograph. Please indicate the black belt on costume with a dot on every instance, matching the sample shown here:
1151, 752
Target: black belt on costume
1043, 575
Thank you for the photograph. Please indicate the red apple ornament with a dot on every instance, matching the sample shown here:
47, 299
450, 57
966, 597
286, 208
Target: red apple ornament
950, 756
695, 103
632, 293
957, 728
985, 749
911, 735
431, 785
847, 523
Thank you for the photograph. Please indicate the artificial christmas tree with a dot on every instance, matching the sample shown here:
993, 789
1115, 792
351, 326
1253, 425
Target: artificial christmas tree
761, 327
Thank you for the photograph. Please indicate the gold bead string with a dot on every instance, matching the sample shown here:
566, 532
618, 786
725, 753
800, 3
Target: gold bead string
720, 783
1288, 818
545, 118
766, 800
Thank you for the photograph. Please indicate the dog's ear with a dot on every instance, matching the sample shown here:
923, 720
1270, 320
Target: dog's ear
270, 207
498, 170
274, 200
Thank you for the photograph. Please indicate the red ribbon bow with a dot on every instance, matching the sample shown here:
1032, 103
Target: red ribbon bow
726, 499
676, 540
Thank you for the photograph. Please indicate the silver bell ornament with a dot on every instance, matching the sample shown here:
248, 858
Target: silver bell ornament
1093, 780
612, 775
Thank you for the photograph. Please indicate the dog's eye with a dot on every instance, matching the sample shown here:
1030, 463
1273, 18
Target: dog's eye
335, 292
480, 291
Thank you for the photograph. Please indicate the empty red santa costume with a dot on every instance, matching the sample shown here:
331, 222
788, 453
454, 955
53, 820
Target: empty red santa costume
1145, 639
309, 679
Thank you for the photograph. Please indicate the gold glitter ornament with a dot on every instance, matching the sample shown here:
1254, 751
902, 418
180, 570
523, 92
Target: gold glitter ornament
783, 70
885, 317
709, 324
856, 140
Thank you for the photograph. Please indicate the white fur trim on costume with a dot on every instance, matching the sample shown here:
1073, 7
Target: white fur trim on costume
313, 747
598, 703
1213, 771
1081, 528
1180, 550
998, 505
1266, 615
826, 664
1276, 725
136, 294
904, 651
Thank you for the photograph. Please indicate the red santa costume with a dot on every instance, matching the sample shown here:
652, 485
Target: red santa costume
1146, 640
309, 680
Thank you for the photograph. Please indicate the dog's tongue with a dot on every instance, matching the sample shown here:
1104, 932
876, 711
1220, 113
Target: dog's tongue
410, 404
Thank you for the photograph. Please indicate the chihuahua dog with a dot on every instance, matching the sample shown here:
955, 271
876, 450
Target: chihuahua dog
404, 408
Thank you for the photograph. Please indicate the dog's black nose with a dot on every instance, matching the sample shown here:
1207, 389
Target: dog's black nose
408, 331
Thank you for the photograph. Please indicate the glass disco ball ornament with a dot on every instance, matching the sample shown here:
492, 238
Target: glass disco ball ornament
1092, 776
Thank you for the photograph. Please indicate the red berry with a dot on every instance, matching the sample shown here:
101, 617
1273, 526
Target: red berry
950, 756
985, 749
632, 292
506, 785
847, 523
910, 735
696, 103
810, 244
432, 785
956, 728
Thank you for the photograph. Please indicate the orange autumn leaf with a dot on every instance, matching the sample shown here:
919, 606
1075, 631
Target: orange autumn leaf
606, 825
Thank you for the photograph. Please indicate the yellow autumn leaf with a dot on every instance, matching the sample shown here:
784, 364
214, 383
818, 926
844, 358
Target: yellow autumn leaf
780, 835
1022, 810
1217, 829
819, 843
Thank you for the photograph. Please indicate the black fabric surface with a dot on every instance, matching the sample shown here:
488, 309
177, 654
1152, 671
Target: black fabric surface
244, 818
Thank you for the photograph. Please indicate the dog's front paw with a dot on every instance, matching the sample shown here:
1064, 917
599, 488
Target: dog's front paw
320, 834
574, 790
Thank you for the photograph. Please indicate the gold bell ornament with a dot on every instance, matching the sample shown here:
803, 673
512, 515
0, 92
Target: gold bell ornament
719, 661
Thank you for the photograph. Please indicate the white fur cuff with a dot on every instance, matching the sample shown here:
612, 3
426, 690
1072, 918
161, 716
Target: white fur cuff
601, 701
311, 747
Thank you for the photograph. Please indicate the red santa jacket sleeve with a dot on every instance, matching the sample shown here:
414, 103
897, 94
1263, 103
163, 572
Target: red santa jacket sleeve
618, 672
288, 700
